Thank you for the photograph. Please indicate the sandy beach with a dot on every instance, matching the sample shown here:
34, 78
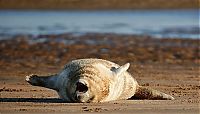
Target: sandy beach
98, 4
168, 65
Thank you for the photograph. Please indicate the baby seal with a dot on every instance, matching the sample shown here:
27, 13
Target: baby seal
95, 80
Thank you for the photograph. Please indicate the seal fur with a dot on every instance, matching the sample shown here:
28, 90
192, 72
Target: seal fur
95, 80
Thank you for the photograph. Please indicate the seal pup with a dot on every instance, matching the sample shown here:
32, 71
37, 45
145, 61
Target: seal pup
95, 80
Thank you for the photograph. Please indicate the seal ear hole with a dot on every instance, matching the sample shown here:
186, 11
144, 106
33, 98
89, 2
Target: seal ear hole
80, 87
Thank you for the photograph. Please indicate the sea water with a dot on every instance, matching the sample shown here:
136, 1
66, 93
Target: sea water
182, 23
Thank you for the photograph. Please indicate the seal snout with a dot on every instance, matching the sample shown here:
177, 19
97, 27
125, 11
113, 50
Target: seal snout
81, 87
81, 92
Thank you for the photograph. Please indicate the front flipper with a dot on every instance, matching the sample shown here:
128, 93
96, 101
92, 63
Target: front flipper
43, 81
121, 69
151, 94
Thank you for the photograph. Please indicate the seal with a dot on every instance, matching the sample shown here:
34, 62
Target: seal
95, 80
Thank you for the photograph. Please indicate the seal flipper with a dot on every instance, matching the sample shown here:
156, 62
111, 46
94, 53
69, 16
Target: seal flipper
151, 94
121, 69
43, 81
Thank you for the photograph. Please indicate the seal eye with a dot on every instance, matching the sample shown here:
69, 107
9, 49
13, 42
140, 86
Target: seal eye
80, 87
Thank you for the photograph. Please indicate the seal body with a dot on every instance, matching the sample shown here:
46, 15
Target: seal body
94, 80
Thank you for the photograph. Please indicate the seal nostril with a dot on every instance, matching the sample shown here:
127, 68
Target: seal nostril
80, 87
78, 97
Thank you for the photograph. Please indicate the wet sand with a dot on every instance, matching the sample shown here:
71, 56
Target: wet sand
168, 65
98, 4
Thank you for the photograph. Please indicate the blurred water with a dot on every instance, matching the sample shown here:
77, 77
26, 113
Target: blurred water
157, 23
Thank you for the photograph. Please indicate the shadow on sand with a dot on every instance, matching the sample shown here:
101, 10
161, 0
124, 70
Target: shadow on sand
36, 100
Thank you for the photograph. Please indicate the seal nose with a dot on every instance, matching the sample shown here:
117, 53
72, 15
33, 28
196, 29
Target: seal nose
80, 87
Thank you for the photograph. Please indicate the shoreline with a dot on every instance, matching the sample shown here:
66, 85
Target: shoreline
96, 9
98, 4
93, 10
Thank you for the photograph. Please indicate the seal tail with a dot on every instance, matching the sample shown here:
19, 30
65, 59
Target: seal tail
43, 81
151, 94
